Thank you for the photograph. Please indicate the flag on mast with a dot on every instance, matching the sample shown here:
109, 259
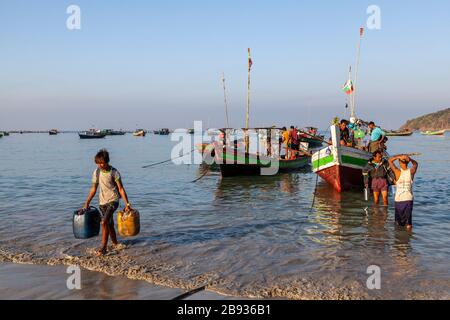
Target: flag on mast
348, 87
361, 32
250, 62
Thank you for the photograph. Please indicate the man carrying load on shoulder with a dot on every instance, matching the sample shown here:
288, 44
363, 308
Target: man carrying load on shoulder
377, 138
404, 198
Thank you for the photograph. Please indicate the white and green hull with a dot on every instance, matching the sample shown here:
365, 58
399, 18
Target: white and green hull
340, 166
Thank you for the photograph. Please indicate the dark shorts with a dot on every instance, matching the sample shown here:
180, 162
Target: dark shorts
403, 213
379, 185
107, 211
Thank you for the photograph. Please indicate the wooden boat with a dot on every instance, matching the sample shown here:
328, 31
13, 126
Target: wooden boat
434, 133
340, 166
309, 135
111, 132
139, 133
234, 161
53, 132
394, 133
91, 134
162, 132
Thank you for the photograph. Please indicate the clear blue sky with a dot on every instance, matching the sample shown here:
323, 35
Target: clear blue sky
158, 63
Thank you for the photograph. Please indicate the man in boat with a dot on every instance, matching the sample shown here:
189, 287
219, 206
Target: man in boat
376, 170
295, 142
285, 142
377, 138
345, 134
404, 198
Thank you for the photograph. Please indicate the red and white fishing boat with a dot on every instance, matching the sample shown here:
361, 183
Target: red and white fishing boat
340, 166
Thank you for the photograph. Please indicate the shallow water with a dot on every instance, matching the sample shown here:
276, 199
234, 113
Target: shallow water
242, 236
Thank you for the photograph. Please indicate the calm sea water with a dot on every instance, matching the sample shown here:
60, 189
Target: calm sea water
242, 236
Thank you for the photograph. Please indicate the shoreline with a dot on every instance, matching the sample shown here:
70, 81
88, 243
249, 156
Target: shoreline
46, 282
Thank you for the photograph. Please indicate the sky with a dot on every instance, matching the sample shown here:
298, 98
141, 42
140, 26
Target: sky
154, 64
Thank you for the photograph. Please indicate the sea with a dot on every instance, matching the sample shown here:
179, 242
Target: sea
289, 236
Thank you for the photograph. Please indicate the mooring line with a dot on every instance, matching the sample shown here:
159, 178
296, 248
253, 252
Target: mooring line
166, 161
201, 177
189, 293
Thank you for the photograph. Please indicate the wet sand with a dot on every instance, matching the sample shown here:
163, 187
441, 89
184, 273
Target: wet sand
40, 282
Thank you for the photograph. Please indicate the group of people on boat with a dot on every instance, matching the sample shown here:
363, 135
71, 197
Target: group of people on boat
352, 135
290, 143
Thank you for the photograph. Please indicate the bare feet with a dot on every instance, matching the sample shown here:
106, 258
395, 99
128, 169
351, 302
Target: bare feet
118, 246
101, 252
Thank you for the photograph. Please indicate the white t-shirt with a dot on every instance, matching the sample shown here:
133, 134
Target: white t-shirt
107, 183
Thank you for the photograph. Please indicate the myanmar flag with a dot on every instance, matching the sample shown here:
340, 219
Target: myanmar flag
348, 87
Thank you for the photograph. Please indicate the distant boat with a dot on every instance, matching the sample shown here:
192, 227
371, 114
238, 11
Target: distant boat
1, 134
190, 131
4, 133
433, 133
394, 133
111, 132
91, 134
162, 132
53, 132
139, 133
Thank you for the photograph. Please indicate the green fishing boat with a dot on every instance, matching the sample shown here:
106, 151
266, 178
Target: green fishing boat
394, 133
234, 158
433, 133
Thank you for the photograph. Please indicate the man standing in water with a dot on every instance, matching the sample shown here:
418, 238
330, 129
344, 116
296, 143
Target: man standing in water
376, 170
111, 188
404, 198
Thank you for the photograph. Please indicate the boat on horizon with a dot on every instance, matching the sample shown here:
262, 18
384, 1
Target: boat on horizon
53, 132
433, 133
139, 133
111, 132
162, 132
394, 133
91, 134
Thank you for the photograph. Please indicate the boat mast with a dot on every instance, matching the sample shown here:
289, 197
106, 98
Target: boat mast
247, 138
248, 89
358, 54
226, 101
350, 97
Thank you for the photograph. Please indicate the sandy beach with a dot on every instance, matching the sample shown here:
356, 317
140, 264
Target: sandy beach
39, 282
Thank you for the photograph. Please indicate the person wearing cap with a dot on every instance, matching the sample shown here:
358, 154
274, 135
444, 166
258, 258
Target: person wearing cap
377, 136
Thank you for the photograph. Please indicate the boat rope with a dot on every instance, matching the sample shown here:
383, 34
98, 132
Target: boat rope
189, 293
315, 190
201, 177
166, 161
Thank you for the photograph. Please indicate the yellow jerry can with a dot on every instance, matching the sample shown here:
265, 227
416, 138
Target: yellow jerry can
129, 223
